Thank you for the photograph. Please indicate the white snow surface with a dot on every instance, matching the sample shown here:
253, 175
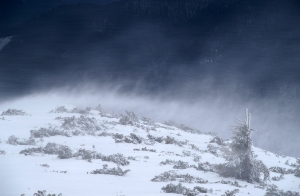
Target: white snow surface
20, 174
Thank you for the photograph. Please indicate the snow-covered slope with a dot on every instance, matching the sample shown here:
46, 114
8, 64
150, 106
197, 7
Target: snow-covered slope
90, 151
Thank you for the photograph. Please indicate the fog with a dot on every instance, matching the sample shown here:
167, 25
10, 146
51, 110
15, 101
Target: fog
276, 124
202, 69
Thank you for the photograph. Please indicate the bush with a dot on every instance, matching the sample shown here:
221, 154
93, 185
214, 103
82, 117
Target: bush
110, 171
132, 138
32, 151
128, 118
13, 112
119, 159
173, 176
64, 152
2, 152
43, 193
273, 190
177, 164
281, 170
51, 148
155, 139
60, 109
218, 141
86, 154
13, 140
277, 178
179, 189
231, 193
51, 131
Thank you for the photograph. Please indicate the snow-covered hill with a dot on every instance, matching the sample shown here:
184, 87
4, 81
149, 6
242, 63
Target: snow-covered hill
90, 151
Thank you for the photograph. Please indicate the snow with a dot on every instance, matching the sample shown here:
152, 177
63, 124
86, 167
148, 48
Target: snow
20, 174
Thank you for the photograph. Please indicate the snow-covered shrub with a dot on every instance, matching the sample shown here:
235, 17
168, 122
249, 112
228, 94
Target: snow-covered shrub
235, 183
167, 162
176, 164
2, 152
51, 148
13, 140
179, 189
150, 150
86, 154
204, 167
128, 118
181, 165
273, 190
32, 151
86, 124
194, 147
218, 141
196, 158
201, 189
132, 138
60, 109
148, 121
172, 140
64, 152
231, 193
155, 139
241, 163
186, 153
213, 150
43, 193
44, 165
119, 159
277, 178
173, 176
110, 171
51, 131
281, 170
297, 171
13, 112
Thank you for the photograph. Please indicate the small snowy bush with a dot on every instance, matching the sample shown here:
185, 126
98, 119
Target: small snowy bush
218, 141
231, 193
43, 193
277, 178
2, 152
119, 159
64, 152
273, 190
132, 138
179, 189
60, 109
32, 151
281, 170
110, 171
13, 140
129, 118
173, 176
13, 112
